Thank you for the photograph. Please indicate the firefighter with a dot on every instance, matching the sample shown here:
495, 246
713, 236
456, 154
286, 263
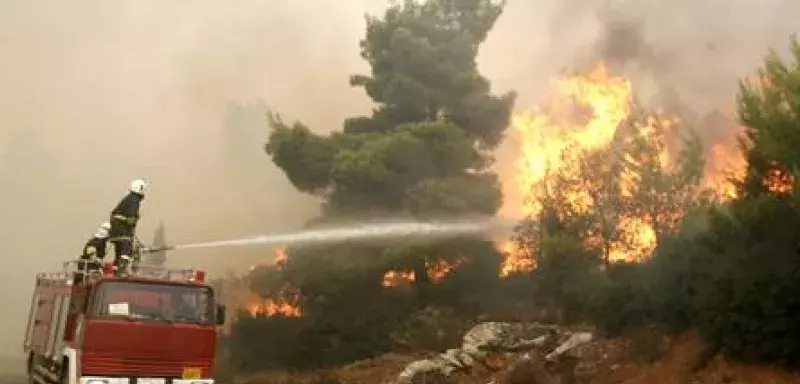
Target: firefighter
93, 252
123, 225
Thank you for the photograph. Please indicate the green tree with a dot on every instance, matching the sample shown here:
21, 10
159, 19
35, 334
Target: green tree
768, 109
749, 293
423, 152
417, 151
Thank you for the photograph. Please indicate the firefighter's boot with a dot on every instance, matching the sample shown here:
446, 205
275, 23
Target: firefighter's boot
122, 265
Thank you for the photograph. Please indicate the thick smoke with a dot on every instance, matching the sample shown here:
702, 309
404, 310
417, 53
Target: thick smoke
681, 54
95, 93
684, 56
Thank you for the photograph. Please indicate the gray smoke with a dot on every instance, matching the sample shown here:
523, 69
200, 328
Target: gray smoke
95, 93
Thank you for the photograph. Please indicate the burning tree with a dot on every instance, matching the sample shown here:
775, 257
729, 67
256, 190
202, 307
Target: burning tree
735, 277
606, 186
601, 169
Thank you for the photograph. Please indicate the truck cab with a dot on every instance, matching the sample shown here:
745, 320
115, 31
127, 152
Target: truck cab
157, 326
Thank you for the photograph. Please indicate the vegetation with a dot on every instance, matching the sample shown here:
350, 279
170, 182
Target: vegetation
730, 270
424, 152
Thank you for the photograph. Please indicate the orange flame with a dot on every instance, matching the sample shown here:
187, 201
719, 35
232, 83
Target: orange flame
550, 134
286, 302
272, 307
396, 278
513, 260
726, 163
437, 272
585, 115
778, 181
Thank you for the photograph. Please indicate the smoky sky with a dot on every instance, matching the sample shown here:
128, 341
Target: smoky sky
95, 93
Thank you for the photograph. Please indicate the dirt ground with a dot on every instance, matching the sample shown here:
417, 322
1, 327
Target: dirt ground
642, 357
679, 362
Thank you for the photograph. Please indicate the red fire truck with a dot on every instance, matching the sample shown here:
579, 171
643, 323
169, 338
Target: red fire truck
156, 326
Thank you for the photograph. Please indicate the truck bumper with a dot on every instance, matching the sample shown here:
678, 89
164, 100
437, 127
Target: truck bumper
125, 380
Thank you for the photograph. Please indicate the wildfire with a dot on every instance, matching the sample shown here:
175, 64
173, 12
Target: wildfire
395, 278
548, 134
778, 181
555, 143
514, 261
286, 301
270, 307
437, 271
586, 114
726, 163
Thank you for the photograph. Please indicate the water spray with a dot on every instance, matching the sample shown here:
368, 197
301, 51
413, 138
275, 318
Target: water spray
369, 231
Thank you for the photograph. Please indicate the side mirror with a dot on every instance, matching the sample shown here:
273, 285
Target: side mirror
220, 314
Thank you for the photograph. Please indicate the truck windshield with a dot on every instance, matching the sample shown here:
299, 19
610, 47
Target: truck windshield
156, 302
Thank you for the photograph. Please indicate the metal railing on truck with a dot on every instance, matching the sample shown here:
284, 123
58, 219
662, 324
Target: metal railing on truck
82, 271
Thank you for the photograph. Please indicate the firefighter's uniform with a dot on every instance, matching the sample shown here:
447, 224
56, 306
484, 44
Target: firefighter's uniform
93, 252
123, 225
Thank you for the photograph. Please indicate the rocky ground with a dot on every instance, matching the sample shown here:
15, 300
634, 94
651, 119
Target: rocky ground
531, 353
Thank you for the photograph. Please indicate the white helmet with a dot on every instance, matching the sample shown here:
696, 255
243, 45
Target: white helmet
102, 231
138, 186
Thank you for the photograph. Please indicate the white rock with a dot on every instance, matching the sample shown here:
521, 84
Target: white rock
456, 358
490, 337
574, 341
416, 368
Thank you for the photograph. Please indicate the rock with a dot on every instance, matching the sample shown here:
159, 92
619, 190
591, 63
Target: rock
575, 340
490, 340
457, 358
424, 371
495, 336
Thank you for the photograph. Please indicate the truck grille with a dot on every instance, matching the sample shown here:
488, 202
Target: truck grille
95, 364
